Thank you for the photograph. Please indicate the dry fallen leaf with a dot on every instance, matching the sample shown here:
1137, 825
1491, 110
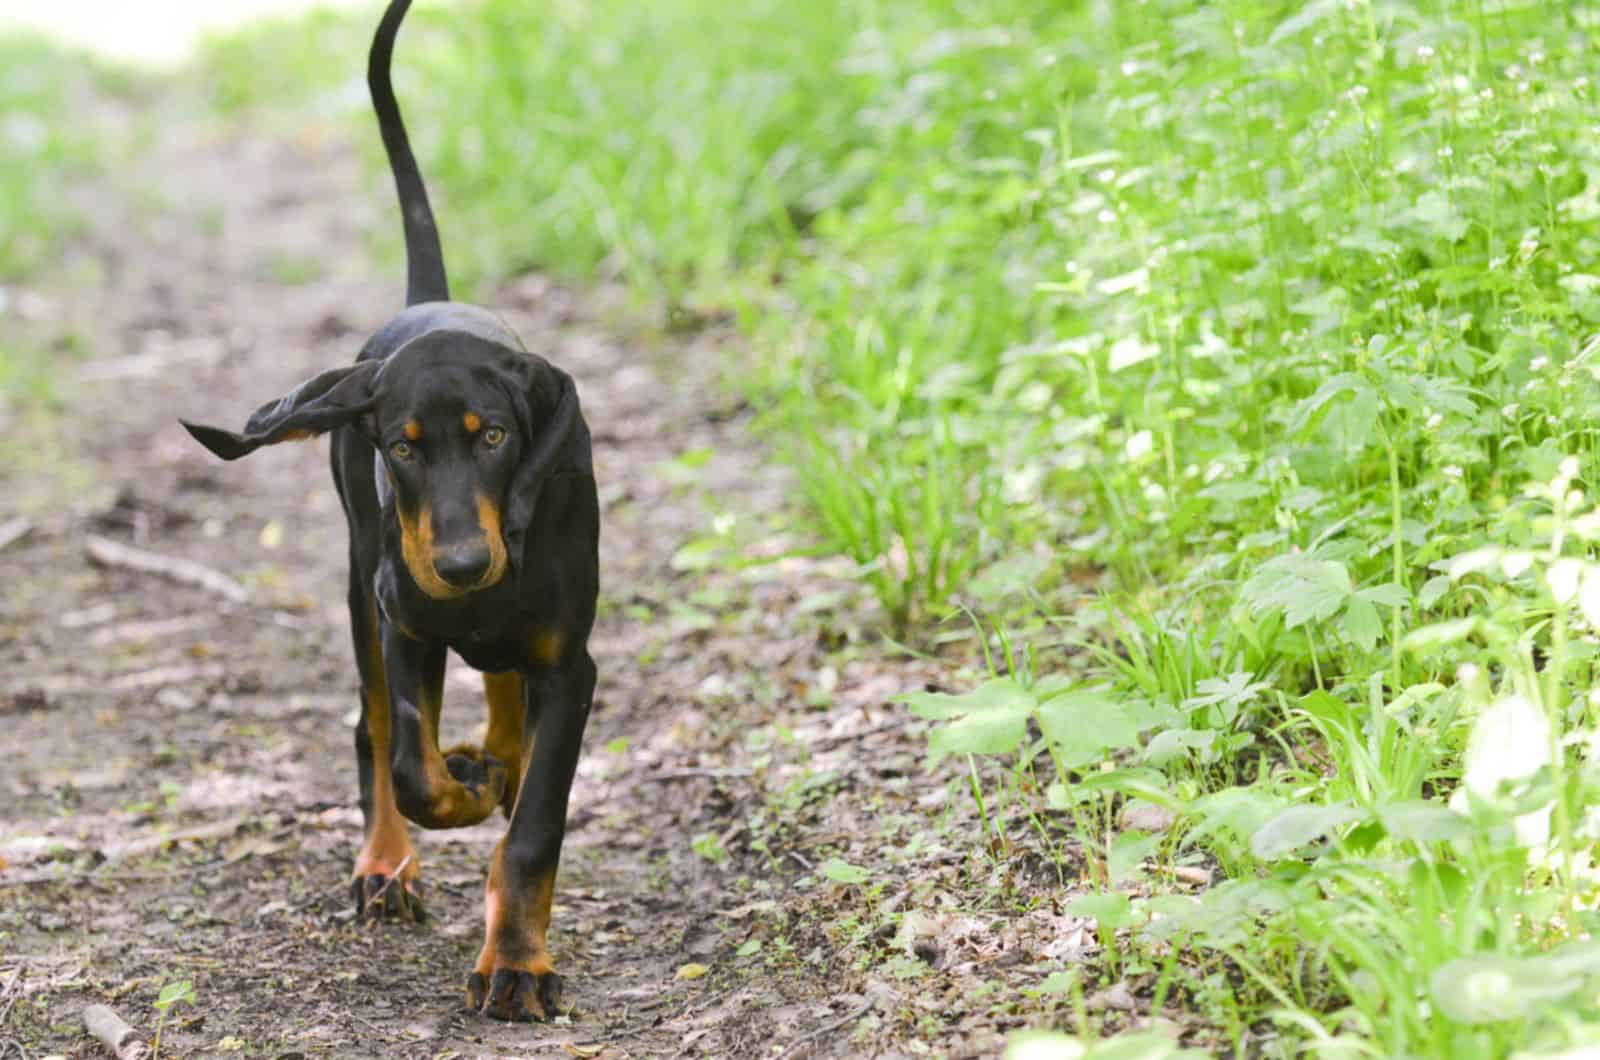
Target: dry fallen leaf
691, 971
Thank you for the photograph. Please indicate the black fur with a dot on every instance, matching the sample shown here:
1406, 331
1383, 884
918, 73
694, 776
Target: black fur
404, 447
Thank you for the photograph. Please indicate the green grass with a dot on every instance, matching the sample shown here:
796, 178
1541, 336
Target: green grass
1280, 316
49, 138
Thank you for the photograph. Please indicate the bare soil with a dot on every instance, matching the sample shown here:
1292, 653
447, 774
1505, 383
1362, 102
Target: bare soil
177, 800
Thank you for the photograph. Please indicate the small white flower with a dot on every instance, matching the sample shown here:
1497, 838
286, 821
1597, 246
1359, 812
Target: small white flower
1424, 52
1511, 741
1139, 445
1538, 364
1434, 421
1562, 578
1589, 600
1452, 471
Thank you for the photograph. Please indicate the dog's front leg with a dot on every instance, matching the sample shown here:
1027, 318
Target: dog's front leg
425, 787
514, 978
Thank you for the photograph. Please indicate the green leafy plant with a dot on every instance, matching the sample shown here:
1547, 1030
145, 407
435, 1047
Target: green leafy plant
172, 994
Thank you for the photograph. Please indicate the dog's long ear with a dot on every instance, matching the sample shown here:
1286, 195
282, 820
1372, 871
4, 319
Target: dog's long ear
550, 417
330, 400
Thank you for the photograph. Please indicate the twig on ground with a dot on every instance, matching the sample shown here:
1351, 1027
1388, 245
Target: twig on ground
181, 674
151, 843
110, 553
9, 995
804, 864
832, 741
14, 530
827, 1028
691, 774
123, 1041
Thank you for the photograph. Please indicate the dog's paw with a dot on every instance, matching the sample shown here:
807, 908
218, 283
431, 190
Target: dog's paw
521, 997
380, 897
481, 773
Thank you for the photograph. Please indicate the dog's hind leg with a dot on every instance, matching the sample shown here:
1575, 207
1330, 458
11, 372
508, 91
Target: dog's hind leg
387, 880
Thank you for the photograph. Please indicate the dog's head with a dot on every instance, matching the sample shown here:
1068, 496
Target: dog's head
466, 430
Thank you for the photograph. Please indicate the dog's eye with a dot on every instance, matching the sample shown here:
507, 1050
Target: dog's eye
402, 450
494, 436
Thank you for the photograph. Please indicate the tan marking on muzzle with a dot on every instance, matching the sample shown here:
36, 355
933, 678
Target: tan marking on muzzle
416, 548
489, 523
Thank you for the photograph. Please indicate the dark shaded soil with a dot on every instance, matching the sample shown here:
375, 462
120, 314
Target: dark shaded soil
179, 791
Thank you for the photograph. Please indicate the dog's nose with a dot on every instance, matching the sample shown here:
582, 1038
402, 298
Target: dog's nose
463, 565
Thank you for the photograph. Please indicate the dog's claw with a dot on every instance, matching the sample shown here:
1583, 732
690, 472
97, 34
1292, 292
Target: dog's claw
520, 997
388, 898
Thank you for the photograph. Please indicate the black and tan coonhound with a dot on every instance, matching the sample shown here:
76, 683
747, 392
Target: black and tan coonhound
464, 468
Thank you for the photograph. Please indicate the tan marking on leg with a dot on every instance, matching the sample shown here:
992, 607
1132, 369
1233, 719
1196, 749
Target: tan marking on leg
516, 920
544, 646
451, 804
504, 736
388, 844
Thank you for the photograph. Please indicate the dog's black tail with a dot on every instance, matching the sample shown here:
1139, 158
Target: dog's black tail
425, 279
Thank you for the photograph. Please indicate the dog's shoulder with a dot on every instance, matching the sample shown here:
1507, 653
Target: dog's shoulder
425, 317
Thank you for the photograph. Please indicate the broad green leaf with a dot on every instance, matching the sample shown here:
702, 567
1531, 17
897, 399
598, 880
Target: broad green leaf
1307, 411
992, 732
1083, 725
1303, 588
1129, 850
1421, 821
1389, 594
173, 993
1110, 911
840, 871
1142, 1047
997, 694
1171, 743
1058, 983
1361, 624
1433, 590
1297, 826
1492, 987
1439, 634
1240, 811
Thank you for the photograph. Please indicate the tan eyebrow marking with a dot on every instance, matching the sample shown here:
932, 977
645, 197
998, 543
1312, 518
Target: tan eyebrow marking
471, 422
413, 430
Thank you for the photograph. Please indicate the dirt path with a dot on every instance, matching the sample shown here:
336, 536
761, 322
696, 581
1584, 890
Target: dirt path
179, 796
